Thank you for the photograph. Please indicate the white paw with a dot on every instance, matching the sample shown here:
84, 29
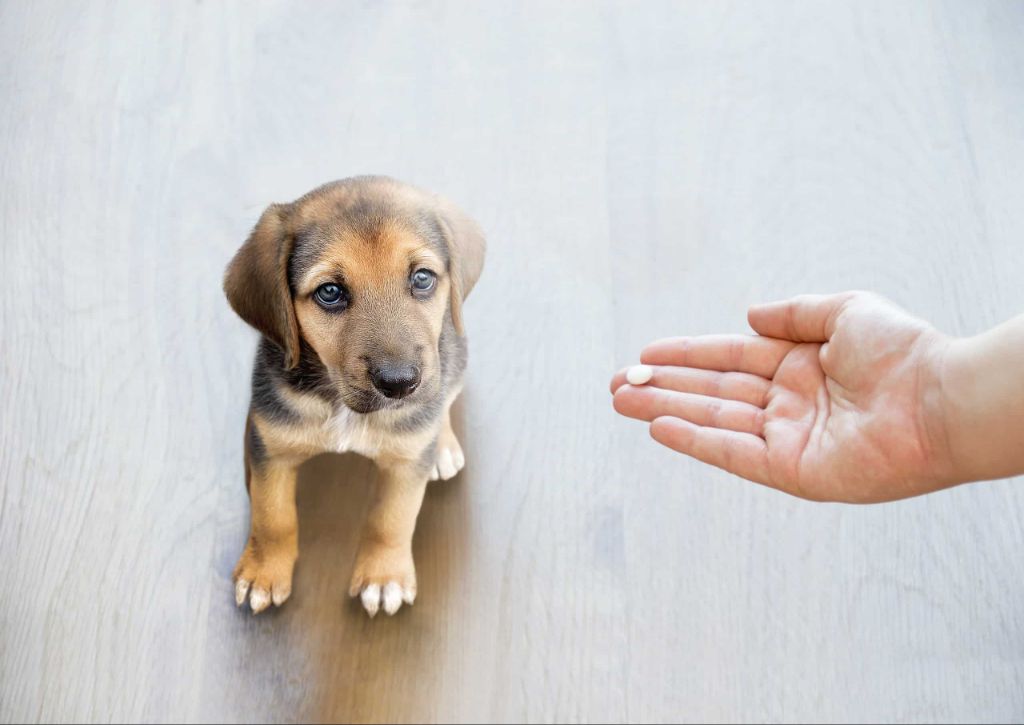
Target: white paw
384, 578
259, 597
450, 460
390, 598
263, 580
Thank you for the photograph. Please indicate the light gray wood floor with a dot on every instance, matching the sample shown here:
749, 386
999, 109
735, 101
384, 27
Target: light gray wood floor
641, 170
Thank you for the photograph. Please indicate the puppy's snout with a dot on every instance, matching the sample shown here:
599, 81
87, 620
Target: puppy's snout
395, 380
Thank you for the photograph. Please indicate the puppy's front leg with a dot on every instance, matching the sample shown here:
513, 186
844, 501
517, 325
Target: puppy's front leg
269, 558
385, 572
450, 458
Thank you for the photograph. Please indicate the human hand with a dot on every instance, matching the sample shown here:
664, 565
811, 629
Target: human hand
838, 399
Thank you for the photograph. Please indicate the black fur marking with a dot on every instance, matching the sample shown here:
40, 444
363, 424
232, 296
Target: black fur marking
364, 401
366, 216
310, 376
421, 416
255, 446
454, 354
310, 246
428, 228
265, 398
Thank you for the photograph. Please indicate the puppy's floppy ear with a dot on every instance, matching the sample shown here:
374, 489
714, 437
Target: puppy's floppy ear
256, 282
466, 247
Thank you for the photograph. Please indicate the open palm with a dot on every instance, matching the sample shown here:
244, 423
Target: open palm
830, 402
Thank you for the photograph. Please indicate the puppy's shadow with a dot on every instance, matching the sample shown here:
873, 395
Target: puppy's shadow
381, 669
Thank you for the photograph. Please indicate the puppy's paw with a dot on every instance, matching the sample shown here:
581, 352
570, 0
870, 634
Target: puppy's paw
384, 578
264, 576
450, 458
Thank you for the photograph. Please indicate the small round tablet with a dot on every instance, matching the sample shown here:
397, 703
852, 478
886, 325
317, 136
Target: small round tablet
639, 374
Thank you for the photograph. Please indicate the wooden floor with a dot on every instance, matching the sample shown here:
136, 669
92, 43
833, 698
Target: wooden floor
641, 170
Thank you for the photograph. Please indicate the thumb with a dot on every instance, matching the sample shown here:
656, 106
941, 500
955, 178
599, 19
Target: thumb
807, 318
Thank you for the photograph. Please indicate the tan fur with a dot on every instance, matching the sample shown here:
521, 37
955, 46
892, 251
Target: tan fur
374, 259
385, 553
269, 557
373, 270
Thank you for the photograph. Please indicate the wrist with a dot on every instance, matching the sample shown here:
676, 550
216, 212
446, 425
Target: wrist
951, 446
941, 355
983, 409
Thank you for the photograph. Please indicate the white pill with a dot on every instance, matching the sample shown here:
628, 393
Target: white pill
639, 374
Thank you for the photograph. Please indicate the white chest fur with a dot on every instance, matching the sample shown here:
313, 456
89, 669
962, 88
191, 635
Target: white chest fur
351, 432
342, 430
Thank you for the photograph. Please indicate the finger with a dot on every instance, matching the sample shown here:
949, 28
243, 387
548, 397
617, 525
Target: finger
744, 454
646, 403
806, 318
744, 387
618, 380
725, 353
824, 356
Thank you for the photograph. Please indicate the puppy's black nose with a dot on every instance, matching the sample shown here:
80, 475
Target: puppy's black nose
395, 381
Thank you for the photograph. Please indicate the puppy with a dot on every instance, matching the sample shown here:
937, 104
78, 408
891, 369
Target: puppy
357, 289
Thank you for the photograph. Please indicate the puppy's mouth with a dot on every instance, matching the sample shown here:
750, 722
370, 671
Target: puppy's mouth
370, 400
367, 401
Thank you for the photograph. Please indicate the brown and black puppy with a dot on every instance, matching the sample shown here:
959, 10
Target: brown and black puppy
357, 288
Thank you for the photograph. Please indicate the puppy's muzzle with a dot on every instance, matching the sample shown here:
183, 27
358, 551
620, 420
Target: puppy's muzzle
395, 380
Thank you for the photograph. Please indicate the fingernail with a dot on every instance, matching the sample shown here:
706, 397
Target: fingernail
639, 374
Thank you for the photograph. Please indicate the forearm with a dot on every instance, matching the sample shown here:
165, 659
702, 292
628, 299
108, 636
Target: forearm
983, 389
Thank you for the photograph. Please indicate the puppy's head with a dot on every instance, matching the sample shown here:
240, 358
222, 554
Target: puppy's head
365, 271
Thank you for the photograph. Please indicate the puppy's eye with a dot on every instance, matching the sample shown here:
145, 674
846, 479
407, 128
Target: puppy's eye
423, 281
331, 296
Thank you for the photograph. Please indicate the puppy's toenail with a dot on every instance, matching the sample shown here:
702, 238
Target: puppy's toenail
371, 599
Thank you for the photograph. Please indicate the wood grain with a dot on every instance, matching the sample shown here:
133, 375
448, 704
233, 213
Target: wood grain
641, 169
